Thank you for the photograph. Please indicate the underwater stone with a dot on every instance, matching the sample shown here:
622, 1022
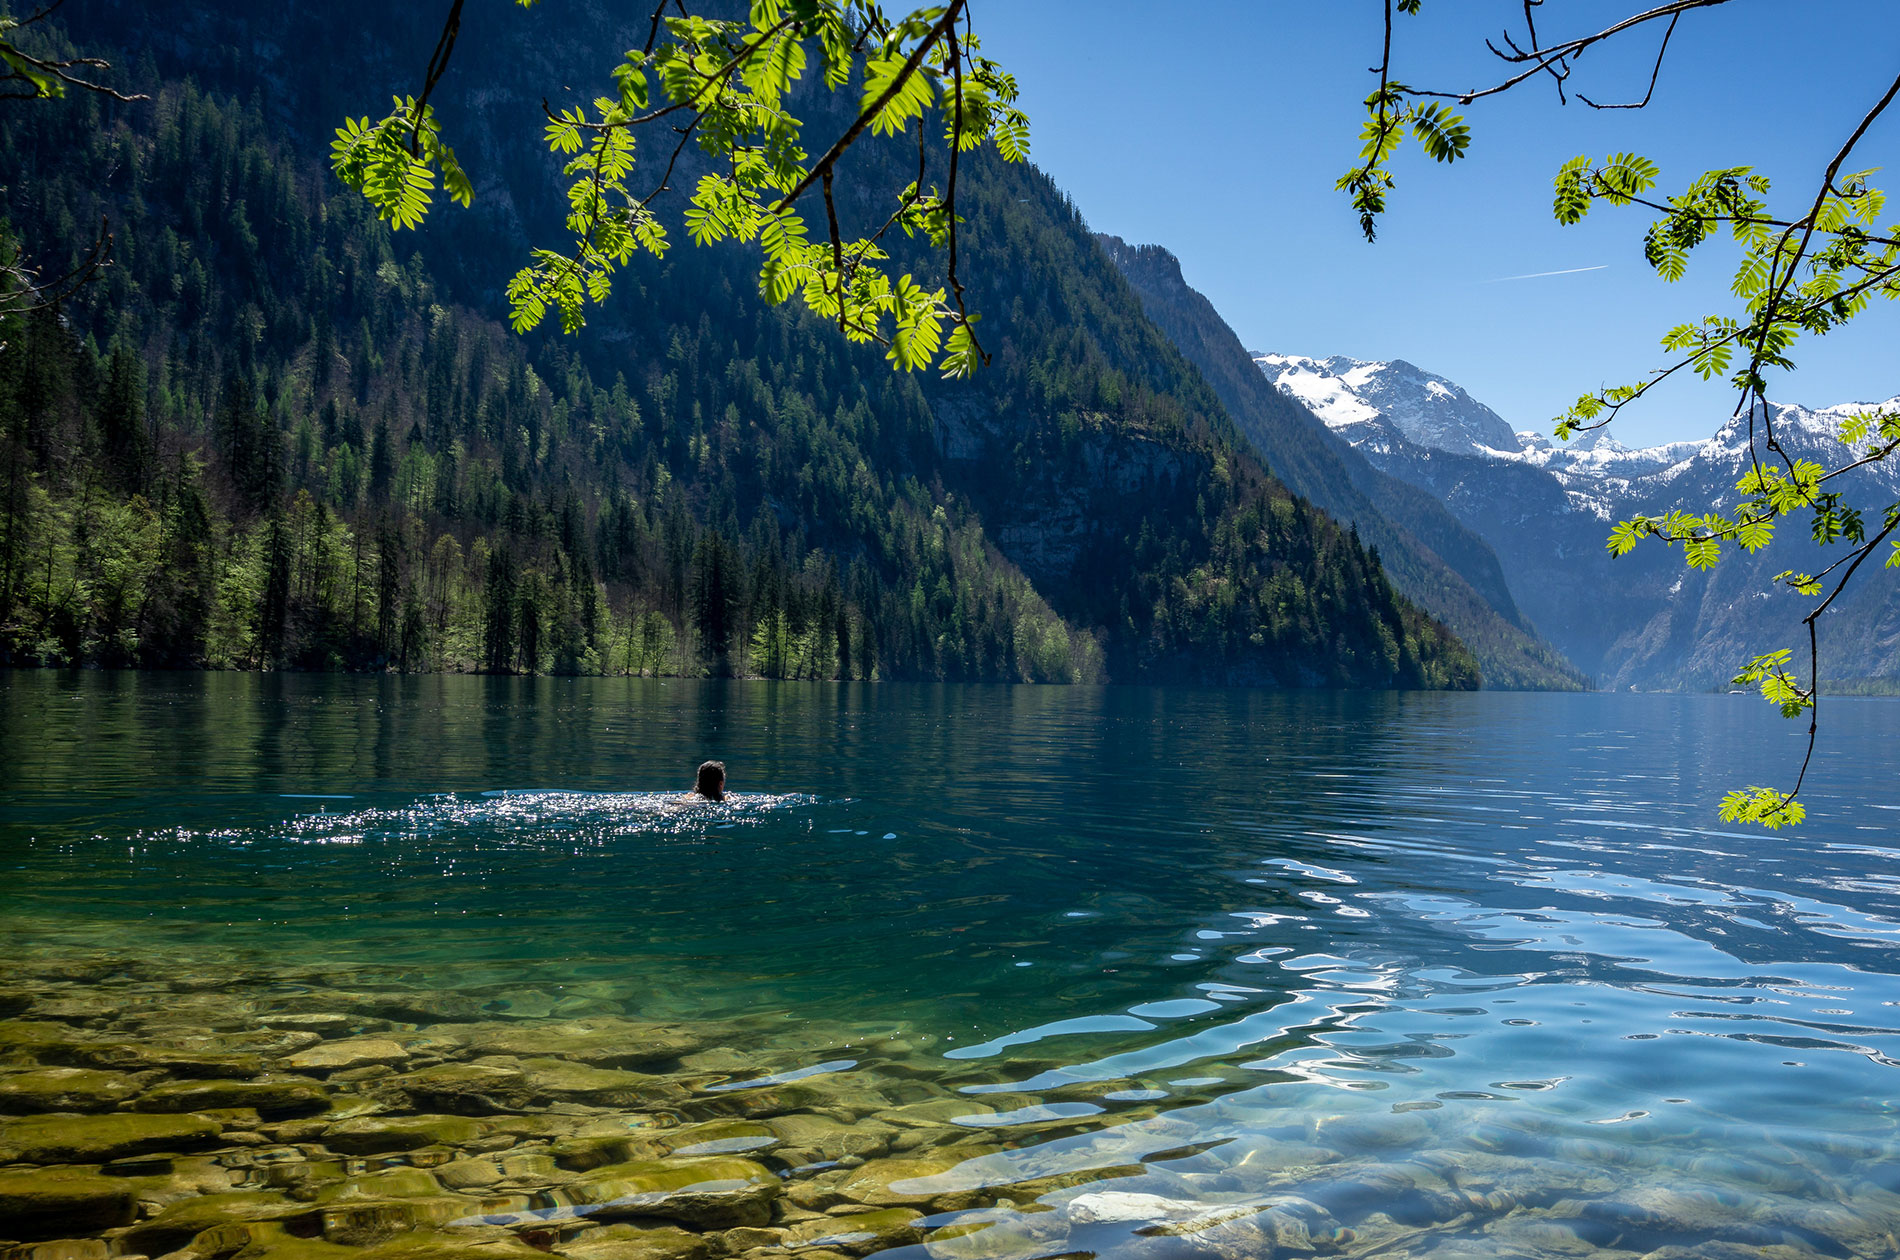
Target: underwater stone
468, 1174
279, 1097
64, 1089
521, 1004
467, 1088
1013, 1236
1718, 1249
338, 1056
76, 1007
376, 1135
911, 1182
31, 1040
716, 1137
325, 1023
185, 1219
859, 1233
582, 1153
1699, 1211
1099, 1206
941, 1113
630, 1242
1286, 1225
413, 1007
607, 1086
391, 1183
95, 1139
272, 1241
354, 1223
749, 1238
64, 1249
713, 1193
198, 1065
1371, 1132
41, 1203
605, 1042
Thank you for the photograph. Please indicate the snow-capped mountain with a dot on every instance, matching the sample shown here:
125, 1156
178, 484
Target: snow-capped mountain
1546, 507
1365, 402
1358, 400
1802, 432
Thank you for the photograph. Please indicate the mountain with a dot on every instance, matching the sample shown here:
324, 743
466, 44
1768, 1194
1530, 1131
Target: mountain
1433, 558
276, 434
1365, 402
1644, 620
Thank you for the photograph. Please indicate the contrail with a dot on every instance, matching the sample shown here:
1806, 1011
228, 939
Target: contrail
1539, 275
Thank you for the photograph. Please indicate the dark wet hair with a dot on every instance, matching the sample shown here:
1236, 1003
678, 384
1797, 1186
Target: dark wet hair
712, 780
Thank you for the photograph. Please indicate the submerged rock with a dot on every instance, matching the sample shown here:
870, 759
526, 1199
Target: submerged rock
468, 1088
860, 1233
603, 1042
63, 1249
184, 1220
605, 1086
712, 1193
96, 1139
376, 1135
64, 1089
821, 1137
1005, 1236
468, 1174
362, 1223
192, 1063
25, 1040
390, 1183
340, 1056
266, 1097
630, 1242
909, 1182
270, 1240
60, 1202
325, 1023
1285, 1226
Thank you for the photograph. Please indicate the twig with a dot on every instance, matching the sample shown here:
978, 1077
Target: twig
1654, 74
898, 80
438, 66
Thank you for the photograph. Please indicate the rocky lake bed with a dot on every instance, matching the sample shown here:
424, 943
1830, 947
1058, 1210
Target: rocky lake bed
234, 1113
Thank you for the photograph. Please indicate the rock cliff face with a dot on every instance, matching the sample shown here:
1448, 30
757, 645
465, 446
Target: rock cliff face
1644, 620
1049, 524
1433, 558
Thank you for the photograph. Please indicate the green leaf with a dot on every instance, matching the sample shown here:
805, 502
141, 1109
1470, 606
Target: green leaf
1762, 805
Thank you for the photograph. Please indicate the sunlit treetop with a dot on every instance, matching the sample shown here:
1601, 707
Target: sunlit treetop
724, 86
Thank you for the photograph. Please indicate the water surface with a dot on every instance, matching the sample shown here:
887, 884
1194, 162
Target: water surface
1152, 972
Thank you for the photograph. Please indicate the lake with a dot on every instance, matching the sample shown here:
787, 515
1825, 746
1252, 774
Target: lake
297, 964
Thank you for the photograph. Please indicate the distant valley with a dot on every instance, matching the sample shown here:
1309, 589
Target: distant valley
1644, 621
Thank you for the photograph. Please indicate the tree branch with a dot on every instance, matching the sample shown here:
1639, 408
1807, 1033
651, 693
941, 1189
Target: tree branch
845, 141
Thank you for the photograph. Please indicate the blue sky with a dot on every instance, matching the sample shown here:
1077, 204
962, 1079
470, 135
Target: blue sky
1218, 130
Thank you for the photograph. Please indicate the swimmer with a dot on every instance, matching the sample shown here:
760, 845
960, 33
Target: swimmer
712, 782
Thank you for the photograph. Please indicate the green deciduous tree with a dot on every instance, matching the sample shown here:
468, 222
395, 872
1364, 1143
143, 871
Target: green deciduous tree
725, 86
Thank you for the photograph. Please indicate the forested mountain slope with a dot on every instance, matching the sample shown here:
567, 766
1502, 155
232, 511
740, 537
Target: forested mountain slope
277, 435
1432, 557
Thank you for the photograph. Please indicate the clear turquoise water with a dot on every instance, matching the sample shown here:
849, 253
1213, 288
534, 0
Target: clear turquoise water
1170, 929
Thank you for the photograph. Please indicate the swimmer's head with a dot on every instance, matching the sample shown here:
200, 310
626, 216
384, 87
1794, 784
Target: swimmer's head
712, 780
